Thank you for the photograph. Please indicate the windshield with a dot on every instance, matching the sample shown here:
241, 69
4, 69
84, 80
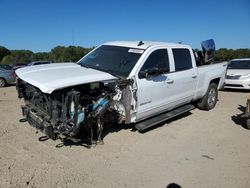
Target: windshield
6, 67
243, 64
115, 60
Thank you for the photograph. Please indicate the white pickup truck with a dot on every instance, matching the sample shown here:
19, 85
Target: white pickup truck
139, 83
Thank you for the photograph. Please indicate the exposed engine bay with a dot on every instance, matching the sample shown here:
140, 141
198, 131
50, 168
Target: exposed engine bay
79, 113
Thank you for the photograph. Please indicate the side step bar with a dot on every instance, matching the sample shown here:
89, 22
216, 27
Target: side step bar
141, 126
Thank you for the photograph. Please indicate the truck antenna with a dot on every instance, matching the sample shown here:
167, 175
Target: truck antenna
73, 37
140, 43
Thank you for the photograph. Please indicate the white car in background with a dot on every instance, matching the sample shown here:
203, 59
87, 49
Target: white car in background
238, 74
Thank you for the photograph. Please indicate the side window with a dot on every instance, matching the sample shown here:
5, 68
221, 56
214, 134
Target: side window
182, 59
157, 59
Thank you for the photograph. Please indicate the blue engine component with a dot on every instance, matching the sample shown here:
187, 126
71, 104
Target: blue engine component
80, 113
81, 117
100, 107
100, 103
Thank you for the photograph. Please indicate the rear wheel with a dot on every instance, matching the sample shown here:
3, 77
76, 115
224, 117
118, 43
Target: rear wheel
2, 82
209, 101
248, 124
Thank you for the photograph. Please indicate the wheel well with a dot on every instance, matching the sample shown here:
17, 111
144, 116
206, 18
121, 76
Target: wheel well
5, 82
3, 79
216, 81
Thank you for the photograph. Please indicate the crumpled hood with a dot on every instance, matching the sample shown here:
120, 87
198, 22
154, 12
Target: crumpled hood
60, 75
235, 72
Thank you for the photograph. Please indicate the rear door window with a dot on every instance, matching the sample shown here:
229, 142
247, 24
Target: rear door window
182, 59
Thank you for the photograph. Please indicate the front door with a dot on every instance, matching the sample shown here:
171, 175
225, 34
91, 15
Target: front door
152, 87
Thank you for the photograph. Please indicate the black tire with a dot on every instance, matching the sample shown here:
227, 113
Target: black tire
2, 82
209, 101
248, 124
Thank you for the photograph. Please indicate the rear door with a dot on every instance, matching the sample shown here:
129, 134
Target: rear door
184, 75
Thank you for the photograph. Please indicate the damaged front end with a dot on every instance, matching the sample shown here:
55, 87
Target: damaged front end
78, 113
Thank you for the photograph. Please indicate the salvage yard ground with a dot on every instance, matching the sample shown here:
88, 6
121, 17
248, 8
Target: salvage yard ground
201, 149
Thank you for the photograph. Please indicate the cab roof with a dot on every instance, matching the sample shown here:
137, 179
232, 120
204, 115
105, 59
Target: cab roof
144, 44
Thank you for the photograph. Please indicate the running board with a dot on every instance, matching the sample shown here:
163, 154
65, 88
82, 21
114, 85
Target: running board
141, 126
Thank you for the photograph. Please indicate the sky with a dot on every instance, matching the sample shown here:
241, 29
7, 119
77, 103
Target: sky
40, 25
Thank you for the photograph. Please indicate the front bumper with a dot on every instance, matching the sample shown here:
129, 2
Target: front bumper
38, 121
237, 84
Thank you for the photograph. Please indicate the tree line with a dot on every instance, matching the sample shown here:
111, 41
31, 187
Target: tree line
74, 53
224, 54
57, 54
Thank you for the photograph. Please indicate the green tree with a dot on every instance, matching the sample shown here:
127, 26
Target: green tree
224, 54
3, 52
68, 54
57, 54
41, 56
8, 59
22, 56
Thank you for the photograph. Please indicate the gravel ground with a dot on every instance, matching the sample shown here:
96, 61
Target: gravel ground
199, 149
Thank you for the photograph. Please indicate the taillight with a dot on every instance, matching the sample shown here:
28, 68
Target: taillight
13, 73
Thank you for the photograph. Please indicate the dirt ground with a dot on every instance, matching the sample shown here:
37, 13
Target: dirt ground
200, 149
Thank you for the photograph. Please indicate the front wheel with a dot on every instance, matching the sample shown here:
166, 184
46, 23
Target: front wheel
209, 101
2, 82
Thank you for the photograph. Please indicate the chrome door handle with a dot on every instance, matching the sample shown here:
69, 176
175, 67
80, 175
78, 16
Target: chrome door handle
170, 81
194, 76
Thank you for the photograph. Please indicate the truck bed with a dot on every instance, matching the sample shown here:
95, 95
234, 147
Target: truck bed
210, 72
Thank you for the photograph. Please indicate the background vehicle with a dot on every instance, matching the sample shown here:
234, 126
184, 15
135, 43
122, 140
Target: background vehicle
238, 74
7, 75
6, 67
119, 82
18, 65
39, 63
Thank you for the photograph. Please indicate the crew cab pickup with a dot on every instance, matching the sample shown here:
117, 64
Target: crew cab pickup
139, 83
